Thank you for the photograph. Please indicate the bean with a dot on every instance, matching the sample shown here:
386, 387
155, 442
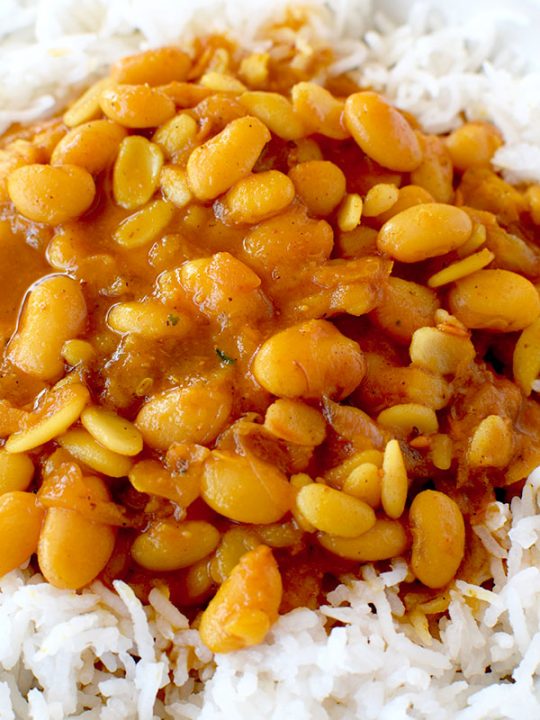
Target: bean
245, 606
72, 550
408, 196
308, 361
379, 199
222, 83
245, 489
257, 197
385, 540
409, 417
166, 545
84, 447
435, 173
438, 534
228, 157
382, 132
16, 471
295, 422
492, 443
320, 184
136, 172
51, 195
364, 483
424, 231
333, 511
20, 524
92, 146
54, 311
350, 212
441, 352
473, 144
498, 300
175, 186
395, 484
137, 106
195, 413
153, 67
145, 225
149, 319
60, 409
319, 110
77, 352
87, 106
174, 136
276, 112
235, 543
112, 431
526, 359
183, 488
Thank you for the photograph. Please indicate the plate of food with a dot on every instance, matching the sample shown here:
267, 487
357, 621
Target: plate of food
270, 319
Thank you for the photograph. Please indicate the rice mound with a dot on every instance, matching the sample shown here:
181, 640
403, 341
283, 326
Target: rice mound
103, 655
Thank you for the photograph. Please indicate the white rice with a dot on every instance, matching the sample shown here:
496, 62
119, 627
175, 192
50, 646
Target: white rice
100, 654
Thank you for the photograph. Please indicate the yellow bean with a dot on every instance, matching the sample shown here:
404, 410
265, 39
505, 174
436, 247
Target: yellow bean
382, 132
87, 106
92, 146
526, 359
492, 443
175, 186
333, 511
441, 450
320, 184
364, 483
182, 486
112, 431
153, 67
145, 225
176, 134
137, 106
394, 485
424, 231
380, 198
254, 69
438, 534
257, 197
295, 422
497, 300
309, 360
319, 110
245, 489
72, 551
409, 417
166, 545
435, 173
76, 352
50, 194
136, 172
228, 157
83, 447
16, 471
408, 196
276, 112
54, 311
235, 542
337, 475
196, 413
473, 144
350, 212
245, 606
440, 352
149, 319
20, 524
61, 408
221, 82
385, 540
461, 268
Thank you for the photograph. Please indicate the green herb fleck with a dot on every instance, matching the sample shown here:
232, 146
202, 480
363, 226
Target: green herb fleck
172, 320
225, 359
